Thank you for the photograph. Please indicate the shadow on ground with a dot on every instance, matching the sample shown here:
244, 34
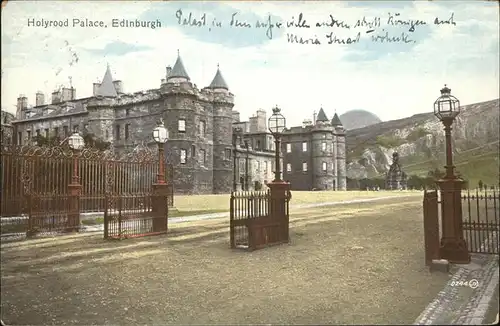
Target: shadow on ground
355, 264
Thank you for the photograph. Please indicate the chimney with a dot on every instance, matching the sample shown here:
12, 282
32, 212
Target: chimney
314, 117
22, 105
169, 70
118, 86
67, 94
56, 97
40, 98
236, 116
95, 88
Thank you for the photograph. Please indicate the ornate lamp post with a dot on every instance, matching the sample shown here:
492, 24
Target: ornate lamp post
160, 189
453, 246
247, 165
160, 136
76, 143
236, 137
277, 124
280, 190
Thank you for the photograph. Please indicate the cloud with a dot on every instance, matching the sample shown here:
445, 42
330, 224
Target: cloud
117, 48
381, 4
216, 23
392, 80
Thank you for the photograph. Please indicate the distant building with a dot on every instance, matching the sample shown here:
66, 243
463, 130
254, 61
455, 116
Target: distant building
7, 130
200, 124
314, 154
396, 178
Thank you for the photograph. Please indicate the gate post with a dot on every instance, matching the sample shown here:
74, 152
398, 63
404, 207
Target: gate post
453, 246
74, 207
160, 207
431, 227
278, 209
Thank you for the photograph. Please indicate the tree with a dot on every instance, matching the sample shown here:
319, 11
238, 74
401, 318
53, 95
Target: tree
480, 184
91, 141
47, 141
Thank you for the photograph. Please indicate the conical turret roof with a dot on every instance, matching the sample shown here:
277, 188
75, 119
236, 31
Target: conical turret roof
218, 81
336, 120
321, 116
107, 88
178, 71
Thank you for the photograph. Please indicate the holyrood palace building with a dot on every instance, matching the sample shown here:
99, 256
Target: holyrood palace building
210, 148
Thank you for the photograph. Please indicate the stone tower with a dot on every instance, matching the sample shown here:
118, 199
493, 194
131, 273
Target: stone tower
321, 152
182, 117
101, 114
223, 102
339, 153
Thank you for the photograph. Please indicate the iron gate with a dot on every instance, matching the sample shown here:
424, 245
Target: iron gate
252, 224
480, 221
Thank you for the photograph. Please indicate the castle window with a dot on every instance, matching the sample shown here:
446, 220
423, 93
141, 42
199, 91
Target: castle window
304, 167
56, 131
75, 128
203, 156
38, 132
227, 154
127, 131
258, 166
47, 133
127, 112
202, 128
258, 144
182, 125
20, 138
183, 156
288, 167
28, 134
117, 132
193, 151
323, 146
304, 147
66, 133
288, 148
324, 166
265, 166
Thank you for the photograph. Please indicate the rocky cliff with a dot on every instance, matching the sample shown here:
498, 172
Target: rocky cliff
420, 142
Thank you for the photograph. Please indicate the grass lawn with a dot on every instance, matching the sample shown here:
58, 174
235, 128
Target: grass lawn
220, 203
355, 263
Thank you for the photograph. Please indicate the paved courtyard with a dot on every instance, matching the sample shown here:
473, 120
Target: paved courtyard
348, 264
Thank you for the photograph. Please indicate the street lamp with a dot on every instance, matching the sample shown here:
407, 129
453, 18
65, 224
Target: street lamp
76, 143
446, 109
247, 163
236, 137
160, 136
277, 124
453, 246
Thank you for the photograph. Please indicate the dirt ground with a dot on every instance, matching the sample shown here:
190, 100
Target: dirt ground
351, 264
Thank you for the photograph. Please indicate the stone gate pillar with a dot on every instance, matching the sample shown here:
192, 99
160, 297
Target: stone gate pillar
160, 207
278, 209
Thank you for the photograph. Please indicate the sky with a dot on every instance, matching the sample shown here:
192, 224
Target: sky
262, 69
